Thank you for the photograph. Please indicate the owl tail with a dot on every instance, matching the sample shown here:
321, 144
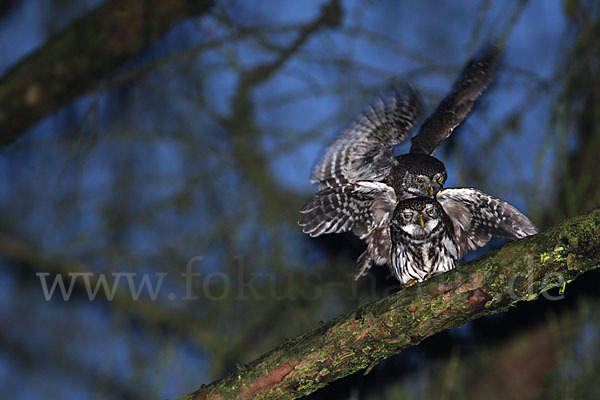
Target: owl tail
363, 263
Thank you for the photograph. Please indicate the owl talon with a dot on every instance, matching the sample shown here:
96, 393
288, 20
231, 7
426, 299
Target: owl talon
410, 283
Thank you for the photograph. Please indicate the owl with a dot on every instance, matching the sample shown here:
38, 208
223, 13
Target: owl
360, 181
428, 236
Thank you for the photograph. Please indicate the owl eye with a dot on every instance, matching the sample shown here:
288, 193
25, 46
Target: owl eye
419, 180
440, 179
431, 212
407, 215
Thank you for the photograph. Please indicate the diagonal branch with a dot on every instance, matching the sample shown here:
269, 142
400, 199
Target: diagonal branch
88, 50
519, 271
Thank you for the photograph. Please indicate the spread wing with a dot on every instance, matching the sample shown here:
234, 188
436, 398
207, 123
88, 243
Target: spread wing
357, 207
477, 216
364, 150
474, 79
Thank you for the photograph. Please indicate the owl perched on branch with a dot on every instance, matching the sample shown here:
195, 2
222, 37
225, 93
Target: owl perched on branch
361, 183
428, 236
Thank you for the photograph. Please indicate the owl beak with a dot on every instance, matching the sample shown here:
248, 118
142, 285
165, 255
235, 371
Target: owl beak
431, 190
421, 222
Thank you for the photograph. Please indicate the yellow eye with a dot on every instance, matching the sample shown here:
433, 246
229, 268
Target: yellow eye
440, 179
419, 180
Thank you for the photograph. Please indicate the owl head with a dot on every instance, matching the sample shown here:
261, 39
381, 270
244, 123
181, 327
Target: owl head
418, 218
421, 175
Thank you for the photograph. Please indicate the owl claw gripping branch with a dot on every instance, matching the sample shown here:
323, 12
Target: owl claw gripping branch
397, 205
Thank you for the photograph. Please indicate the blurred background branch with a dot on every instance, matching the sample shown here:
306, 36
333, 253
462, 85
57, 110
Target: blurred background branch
88, 50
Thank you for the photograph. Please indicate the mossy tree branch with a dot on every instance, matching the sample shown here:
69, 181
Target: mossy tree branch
89, 49
519, 271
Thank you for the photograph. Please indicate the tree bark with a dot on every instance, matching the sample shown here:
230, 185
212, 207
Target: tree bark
89, 49
519, 271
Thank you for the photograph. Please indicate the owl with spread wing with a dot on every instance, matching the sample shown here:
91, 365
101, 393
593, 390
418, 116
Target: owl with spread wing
361, 183
428, 236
